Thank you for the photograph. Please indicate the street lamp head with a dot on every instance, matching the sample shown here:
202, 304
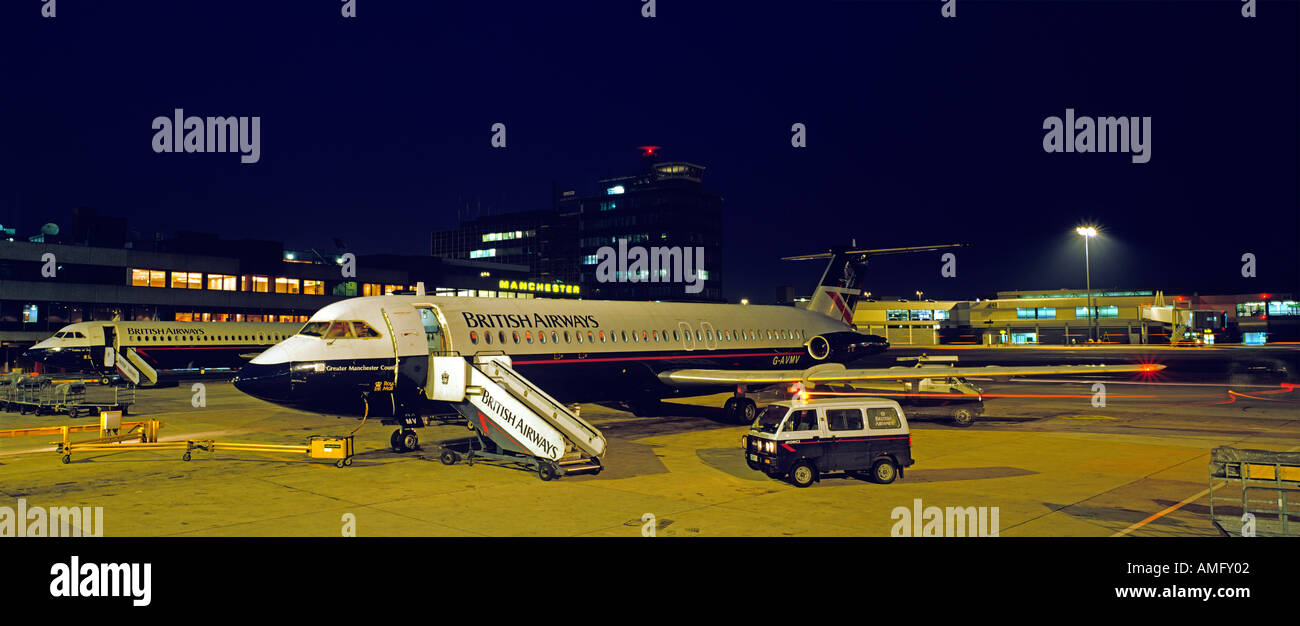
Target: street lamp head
1086, 231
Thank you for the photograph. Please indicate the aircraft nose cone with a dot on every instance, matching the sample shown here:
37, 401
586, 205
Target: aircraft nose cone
266, 382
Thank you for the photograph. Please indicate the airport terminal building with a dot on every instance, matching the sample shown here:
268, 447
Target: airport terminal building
1061, 317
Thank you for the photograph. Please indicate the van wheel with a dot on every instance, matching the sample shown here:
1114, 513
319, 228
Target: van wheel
884, 471
803, 474
963, 416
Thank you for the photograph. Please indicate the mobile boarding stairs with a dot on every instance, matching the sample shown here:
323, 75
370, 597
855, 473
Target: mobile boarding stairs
513, 420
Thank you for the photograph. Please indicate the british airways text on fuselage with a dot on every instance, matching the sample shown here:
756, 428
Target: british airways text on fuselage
522, 320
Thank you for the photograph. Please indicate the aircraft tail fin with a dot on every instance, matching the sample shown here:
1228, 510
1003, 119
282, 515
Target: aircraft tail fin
841, 286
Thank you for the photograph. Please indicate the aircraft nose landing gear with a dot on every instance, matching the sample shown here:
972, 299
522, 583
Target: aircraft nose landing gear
404, 440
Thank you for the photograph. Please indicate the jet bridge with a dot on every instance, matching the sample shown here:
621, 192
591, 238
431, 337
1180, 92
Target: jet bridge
513, 419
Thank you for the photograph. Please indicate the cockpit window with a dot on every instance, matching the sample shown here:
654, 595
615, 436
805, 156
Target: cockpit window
339, 330
364, 330
314, 329
59, 335
76, 334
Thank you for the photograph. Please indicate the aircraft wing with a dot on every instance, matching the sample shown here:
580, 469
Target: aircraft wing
836, 373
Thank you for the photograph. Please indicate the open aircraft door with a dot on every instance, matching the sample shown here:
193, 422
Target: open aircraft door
110, 346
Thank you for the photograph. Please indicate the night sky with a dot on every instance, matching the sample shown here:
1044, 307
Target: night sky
920, 129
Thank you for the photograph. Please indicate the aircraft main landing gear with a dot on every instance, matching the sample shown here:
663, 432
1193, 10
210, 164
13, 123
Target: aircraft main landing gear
739, 410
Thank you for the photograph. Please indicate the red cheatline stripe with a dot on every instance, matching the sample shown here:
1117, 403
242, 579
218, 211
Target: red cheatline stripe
799, 443
703, 354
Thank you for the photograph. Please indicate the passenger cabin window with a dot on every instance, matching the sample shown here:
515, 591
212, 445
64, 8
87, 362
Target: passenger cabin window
801, 421
844, 419
883, 418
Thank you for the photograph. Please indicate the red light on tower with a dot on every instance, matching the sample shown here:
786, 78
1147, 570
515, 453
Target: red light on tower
648, 152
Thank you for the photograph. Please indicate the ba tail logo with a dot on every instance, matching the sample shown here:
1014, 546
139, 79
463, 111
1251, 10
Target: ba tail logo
837, 301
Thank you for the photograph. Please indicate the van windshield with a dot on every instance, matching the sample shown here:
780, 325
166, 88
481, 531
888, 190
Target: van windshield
769, 419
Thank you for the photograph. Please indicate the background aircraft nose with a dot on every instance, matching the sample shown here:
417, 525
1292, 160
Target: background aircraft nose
268, 382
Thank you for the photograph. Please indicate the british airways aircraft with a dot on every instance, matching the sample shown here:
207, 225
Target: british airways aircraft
149, 350
370, 356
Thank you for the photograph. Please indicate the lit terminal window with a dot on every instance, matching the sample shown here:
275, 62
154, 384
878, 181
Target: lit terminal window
615, 190
148, 278
187, 280
1099, 312
506, 236
255, 283
221, 282
286, 285
1041, 313
482, 254
372, 289
313, 287
1250, 309
1283, 308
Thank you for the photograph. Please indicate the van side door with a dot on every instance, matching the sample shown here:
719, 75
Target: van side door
848, 435
803, 427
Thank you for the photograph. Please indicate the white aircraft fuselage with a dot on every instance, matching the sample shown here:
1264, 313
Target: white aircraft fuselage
370, 355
